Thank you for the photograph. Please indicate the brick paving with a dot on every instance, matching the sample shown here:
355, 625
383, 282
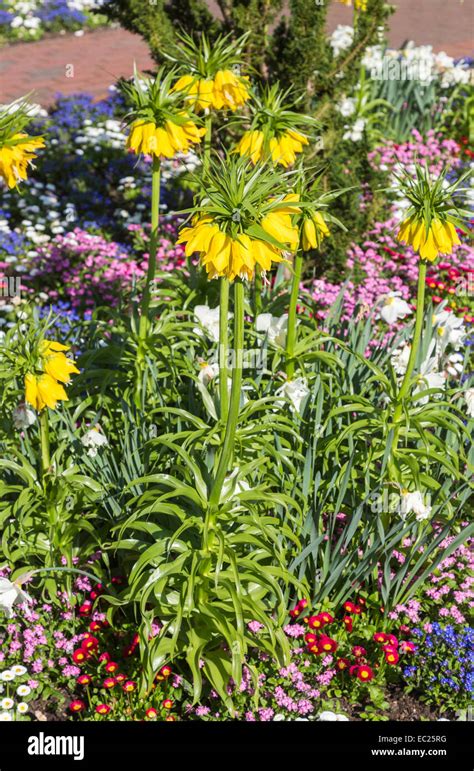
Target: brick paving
69, 64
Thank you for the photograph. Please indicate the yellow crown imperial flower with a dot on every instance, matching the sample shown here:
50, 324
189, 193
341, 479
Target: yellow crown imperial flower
163, 141
159, 126
17, 148
275, 130
225, 90
55, 362
439, 238
43, 391
431, 221
240, 225
314, 230
212, 79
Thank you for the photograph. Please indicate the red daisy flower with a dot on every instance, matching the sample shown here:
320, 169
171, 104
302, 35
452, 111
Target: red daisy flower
79, 656
111, 666
84, 679
391, 657
129, 686
364, 673
347, 621
406, 646
327, 645
342, 664
327, 618
103, 709
167, 704
77, 705
359, 651
380, 637
316, 622
109, 682
151, 712
104, 657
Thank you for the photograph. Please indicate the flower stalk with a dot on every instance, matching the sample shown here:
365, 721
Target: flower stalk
223, 346
228, 446
44, 438
292, 315
155, 219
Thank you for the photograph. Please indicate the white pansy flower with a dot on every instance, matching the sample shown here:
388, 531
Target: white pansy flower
296, 391
7, 676
23, 690
469, 397
394, 308
328, 715
23, 416
275, 327
11, 593
413, 502
94, 439
22, 708
208, 372
7, 703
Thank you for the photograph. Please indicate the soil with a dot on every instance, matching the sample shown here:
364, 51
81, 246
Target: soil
402, 706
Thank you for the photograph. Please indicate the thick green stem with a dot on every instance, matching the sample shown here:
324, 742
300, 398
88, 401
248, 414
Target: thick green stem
223, 346
155, 219
207, 141
406, 382
228, 446
44, 434
420, 303
291, 335
258, 285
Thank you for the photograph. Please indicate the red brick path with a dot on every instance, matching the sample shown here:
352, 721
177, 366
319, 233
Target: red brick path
92, 62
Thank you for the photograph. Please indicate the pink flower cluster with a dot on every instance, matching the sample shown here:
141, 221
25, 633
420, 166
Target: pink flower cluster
433, 149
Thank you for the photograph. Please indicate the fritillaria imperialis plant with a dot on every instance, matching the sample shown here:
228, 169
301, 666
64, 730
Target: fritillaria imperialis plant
17, 148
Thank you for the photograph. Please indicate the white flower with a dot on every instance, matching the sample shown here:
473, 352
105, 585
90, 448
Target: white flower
23, 416
208, 372
394, 308
7, 676
208, 318
23, 690
355, 132
6, 703
10, 593
347, 106
414, 502
276, 327
469, 397
22, 707
94, 439
279, 718
5, 717
296, 391
341, 39
429, 377
328, 715
400, 359
18, 670
450, 329
454, 364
